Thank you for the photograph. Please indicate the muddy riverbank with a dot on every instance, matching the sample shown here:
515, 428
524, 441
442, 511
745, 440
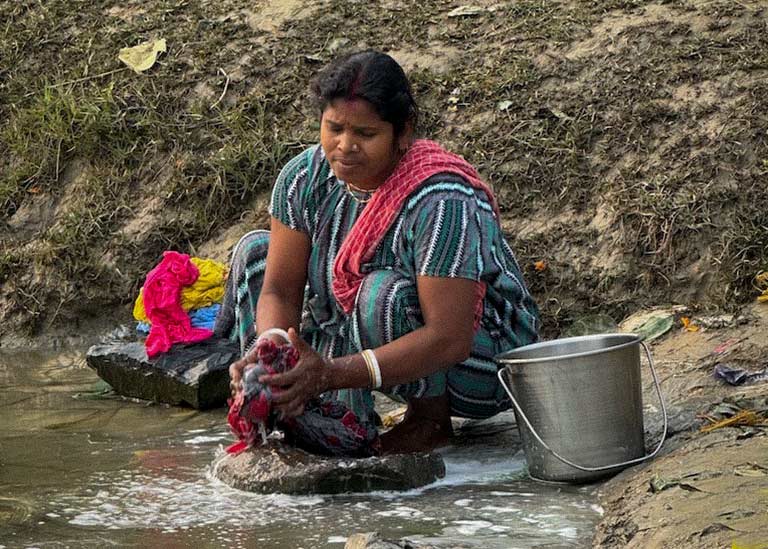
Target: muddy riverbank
706, 489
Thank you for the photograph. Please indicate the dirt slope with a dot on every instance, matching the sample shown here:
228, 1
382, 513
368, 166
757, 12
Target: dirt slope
626, 139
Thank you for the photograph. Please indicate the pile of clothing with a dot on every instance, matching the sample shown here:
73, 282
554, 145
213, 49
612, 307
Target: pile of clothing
179, 301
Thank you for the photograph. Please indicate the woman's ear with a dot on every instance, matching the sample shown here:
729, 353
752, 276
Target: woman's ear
405, 139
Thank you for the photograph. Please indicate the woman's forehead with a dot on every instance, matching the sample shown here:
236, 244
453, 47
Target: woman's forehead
357, 112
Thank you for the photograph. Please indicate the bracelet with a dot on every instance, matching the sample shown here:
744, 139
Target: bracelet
368, 366
273, 331
374, 371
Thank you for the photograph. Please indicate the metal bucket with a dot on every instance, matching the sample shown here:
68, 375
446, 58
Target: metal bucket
579, 405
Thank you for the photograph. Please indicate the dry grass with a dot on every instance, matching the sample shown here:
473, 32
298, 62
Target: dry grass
658, 120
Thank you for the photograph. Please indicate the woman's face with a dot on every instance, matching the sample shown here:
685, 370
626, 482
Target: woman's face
360, 146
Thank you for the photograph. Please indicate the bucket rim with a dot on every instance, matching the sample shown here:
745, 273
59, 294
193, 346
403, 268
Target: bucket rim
634, 339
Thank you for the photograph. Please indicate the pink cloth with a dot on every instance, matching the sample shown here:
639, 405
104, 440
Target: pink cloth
162, 303
423, 160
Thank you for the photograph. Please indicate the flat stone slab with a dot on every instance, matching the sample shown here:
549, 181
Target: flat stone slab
277, 468
196, 375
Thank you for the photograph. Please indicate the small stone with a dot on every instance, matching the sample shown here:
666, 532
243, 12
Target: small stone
337, 44
277, 468
373, 540
467, 11
370, 540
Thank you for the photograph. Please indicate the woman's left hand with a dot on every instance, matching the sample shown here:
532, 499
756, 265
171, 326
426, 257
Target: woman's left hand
291, 390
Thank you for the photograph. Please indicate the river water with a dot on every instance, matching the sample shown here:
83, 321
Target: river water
82, 469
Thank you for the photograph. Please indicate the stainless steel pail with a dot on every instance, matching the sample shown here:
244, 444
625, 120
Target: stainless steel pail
579, 405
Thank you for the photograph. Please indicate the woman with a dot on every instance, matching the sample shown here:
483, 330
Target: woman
387, 254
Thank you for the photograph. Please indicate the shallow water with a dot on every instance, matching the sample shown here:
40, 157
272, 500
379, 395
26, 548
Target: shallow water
81, 470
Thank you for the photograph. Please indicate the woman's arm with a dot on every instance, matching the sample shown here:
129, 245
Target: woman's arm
448, 308
282, 294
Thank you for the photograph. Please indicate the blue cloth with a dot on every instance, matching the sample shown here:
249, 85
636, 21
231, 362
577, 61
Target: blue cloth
205, 316
201, 318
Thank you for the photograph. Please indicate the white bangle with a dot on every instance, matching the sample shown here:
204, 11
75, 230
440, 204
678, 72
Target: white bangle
369, 369
273, 331
371, 360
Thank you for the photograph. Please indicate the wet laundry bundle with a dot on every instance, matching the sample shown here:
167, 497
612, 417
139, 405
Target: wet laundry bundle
179, 301
327, 427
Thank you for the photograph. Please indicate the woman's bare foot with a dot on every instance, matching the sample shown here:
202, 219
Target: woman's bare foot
426, 426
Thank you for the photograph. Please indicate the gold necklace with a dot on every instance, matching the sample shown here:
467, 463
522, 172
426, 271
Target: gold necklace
360, 189
352, 191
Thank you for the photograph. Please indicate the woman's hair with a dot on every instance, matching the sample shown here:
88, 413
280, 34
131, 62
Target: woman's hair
373, 76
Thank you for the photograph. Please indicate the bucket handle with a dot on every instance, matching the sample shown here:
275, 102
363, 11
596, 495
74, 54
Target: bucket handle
603, 467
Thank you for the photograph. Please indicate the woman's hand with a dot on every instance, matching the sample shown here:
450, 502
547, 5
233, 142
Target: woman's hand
237, 369
291, 390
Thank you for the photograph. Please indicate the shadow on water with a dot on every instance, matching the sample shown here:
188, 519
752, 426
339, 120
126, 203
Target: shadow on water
82, 468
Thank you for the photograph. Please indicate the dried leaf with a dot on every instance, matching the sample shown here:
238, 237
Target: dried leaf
142, 57
663, 315
688, 324
726, 409
394, 417
761, 279
750, 470
540, 265
467, 11
659, 484
560, 114
655, 327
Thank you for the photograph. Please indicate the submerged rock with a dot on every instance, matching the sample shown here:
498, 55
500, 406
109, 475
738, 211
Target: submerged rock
373, 540
196, 375
276, 467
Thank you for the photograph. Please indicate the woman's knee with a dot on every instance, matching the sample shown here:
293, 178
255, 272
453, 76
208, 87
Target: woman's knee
475, 391
251, 247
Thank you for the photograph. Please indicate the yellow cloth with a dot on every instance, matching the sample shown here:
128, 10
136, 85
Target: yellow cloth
207, 289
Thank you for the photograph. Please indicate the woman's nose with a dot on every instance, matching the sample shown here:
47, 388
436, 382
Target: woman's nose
347, 143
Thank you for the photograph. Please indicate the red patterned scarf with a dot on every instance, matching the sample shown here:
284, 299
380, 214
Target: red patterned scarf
423, 160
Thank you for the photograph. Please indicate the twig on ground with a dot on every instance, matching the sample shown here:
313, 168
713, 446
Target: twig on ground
226, 85
83, 79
